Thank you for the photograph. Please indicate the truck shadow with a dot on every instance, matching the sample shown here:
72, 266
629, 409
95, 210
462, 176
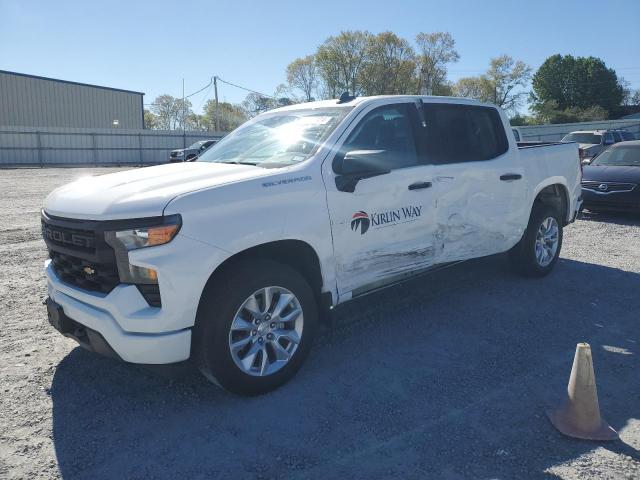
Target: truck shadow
618, 218
445, 376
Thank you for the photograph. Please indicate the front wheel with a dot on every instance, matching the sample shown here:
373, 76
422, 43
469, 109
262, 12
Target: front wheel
538, 250
255, 326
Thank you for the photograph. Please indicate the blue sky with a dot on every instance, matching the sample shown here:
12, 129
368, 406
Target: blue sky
150, 46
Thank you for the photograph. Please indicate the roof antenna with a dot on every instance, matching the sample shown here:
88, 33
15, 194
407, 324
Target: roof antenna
346, 98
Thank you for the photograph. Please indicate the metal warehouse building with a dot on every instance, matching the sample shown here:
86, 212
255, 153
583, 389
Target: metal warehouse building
31, 101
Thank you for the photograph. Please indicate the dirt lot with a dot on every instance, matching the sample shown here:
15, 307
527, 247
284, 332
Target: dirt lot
445, 377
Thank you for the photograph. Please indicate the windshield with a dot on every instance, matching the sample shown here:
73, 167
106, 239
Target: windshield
278, 138
594, 138
619, 157
196, 145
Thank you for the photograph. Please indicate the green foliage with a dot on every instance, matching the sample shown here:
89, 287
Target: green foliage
171, 113
435, 51
503, 84
229, 116
302, 74
389, 66
384, 64
575, 83
150, 120
549, 112
340, 60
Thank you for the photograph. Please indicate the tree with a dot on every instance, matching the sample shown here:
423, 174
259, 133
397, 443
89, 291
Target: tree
255, 104
502, 84
171, 112
389, 67
505, 76
229, 116
435, 51
477, 88
302, 74
580, 82
150, 120
635, 98
340, 60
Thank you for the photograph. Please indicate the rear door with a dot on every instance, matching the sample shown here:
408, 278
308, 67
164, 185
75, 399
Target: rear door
478, 181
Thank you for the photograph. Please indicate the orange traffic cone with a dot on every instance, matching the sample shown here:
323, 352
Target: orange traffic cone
580, 415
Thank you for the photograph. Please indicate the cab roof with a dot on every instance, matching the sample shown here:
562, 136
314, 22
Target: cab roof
362, 100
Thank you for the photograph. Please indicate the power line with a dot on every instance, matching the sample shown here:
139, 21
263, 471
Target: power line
206, 86
246, 89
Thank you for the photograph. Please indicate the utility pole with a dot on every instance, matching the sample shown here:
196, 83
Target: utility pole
184, 132
215, 90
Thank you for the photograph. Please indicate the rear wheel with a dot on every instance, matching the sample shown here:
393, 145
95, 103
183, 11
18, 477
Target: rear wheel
255, 327
538, 250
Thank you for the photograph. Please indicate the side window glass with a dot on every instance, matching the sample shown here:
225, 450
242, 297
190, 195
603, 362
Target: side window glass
617, 137
388, 129
608, 139
458, 133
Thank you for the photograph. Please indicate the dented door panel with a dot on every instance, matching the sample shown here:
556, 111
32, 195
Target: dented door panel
477, 214
383, 229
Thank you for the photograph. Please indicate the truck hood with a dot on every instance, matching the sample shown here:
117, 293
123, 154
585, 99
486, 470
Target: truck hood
141, 192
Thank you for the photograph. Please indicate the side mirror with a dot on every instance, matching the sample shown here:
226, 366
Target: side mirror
357, 165
587, 161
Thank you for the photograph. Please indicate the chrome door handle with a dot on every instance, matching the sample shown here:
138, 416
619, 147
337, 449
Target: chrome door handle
419, 185
510, 176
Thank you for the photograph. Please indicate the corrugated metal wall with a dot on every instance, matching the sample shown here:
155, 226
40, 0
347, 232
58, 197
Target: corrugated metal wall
554, 132
30, 101
79, 146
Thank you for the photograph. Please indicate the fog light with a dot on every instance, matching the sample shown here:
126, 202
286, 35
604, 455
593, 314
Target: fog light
142, 275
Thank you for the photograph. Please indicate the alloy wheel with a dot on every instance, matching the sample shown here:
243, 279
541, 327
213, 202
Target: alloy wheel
266, 331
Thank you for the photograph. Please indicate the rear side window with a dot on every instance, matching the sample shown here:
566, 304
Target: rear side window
617, 137
462, 133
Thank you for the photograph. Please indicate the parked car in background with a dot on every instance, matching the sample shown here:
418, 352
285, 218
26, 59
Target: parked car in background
611, 181
592, 142
230, 260
190, 153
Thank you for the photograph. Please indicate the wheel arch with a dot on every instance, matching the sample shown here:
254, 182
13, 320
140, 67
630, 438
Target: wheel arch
297, 254
555, 194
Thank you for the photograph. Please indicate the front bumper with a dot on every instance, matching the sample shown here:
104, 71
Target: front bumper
622, 201
95, 319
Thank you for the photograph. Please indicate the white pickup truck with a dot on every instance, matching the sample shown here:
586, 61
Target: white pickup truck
230, 261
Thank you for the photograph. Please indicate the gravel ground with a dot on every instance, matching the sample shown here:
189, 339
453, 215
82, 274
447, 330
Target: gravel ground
446, 376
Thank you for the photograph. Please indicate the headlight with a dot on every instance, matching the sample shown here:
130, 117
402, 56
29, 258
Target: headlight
146, 236
150, 233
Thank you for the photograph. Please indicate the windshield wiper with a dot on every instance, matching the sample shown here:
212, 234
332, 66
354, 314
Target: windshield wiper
236, 162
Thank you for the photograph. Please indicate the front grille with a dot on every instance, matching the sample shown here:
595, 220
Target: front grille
607, 187
81, 257
84, 274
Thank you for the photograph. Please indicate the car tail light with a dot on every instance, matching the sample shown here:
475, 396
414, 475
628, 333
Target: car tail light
580, 158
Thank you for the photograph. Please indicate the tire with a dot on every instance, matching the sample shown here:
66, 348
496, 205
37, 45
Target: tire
524, 256
222, 307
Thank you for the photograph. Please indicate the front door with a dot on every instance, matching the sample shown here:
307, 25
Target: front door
384, 229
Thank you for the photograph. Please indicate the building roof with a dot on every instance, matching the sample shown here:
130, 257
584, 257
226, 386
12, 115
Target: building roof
70, 82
